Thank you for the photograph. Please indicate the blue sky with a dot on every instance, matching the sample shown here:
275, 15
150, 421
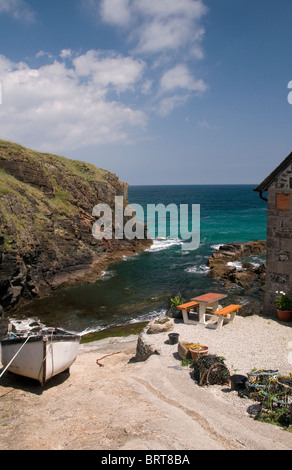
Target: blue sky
157, 91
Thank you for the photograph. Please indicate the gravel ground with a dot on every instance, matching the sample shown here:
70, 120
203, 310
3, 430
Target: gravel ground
247, 343
151, 405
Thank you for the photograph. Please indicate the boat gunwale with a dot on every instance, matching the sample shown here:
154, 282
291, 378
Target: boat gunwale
40, 337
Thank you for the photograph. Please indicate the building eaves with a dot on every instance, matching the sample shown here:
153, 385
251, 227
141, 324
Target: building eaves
264, 186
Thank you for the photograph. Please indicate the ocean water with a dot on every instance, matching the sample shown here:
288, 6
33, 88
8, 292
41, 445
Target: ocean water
139, 288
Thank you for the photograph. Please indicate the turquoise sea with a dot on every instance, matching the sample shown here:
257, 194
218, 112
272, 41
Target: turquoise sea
139, 288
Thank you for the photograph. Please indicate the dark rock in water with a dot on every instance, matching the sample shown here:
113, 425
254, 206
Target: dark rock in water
46, 221
230, 253
222, 264
246, 276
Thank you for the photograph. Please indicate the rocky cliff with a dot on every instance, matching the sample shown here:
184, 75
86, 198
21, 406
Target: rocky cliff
46, 240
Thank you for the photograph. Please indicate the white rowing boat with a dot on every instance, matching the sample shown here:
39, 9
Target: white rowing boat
39, 356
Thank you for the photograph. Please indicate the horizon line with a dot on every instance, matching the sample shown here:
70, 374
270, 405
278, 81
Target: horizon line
191, 184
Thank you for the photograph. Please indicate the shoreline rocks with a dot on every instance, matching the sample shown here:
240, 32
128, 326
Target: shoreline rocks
224, 264
231, 265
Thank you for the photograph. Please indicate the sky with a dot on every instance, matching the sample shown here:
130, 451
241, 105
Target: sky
157, 91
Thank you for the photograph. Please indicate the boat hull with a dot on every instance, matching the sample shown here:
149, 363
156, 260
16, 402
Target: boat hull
42, 357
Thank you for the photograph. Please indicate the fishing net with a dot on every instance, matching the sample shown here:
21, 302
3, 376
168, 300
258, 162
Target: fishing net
274, 393
211, 370
269, 386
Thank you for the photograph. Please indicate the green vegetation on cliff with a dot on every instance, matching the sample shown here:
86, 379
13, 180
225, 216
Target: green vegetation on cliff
46, 204
87, 171
34, 186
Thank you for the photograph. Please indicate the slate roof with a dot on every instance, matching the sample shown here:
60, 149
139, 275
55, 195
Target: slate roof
264, 186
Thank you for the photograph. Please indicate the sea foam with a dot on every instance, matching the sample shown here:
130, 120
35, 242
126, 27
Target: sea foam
159, 245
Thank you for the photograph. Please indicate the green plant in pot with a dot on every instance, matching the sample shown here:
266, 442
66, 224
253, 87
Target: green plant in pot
284, 306
197, 350
174, 303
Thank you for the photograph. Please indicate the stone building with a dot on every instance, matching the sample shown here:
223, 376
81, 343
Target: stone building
278, 189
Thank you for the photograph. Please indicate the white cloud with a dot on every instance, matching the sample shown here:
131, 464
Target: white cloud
122, 12
146, 87
166, 8
116, 12
121, 72
158, 36
43, 54
180, 77
170, 25
205, 124
99, 97
156, 26
163, 31
65, 53
18, 9
53, 108
167, 105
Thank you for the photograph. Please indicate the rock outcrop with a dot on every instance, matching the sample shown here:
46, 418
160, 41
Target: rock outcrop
222, 264
46, 221
145, 347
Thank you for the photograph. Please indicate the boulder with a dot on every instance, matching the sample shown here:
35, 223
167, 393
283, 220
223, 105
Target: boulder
160, 325
144, 348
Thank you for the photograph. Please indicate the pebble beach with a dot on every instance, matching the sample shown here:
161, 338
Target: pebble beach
251, 342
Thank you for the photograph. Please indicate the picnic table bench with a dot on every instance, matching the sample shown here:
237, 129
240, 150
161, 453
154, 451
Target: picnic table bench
208, 301
185, 309
227, 313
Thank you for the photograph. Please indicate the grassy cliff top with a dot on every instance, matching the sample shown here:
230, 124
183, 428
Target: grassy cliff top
34, 187
88, 171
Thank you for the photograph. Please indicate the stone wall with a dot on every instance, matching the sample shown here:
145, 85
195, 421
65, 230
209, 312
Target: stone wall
279, 239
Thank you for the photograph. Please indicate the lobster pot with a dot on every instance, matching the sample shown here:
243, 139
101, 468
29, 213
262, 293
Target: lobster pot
211, 370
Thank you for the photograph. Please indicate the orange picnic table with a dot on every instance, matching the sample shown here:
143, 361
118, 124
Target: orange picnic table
210, 300
207, 300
